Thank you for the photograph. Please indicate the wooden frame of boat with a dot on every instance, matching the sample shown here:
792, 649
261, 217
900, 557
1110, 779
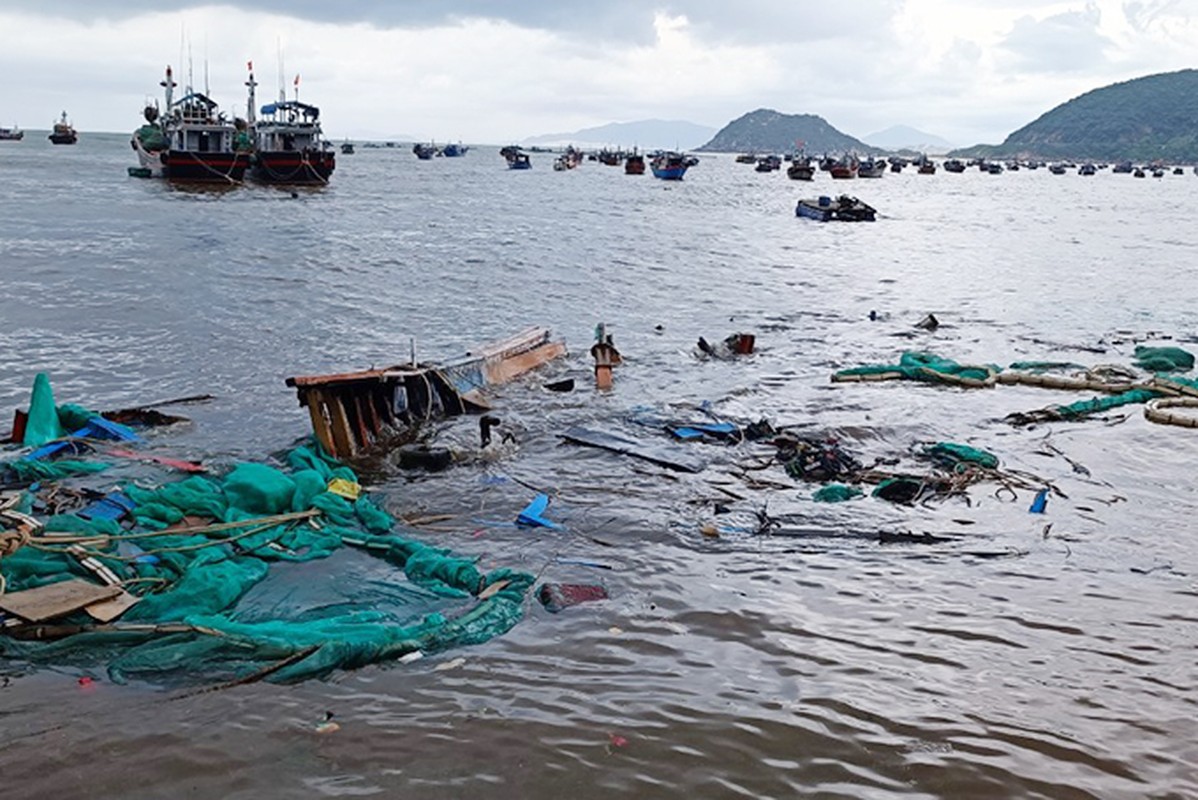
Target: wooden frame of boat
352, 412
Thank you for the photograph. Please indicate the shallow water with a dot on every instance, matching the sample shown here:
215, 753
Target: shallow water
1010, 661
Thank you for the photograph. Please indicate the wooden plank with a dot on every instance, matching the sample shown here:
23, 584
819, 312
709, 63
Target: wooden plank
516, 365
108, 610
314, 400
55, 599
616, 443
343, 437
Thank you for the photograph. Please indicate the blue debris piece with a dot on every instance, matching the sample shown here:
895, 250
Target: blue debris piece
112, 506
700, 430
96, 428
1040, 502
533, 514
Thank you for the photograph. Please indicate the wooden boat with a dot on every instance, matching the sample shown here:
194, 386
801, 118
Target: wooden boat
844, 168
801, 169
1086, 169
423, 151
63, 132
840, 209
355, 411
746, 158
1057, 169
347, 148
871, 168
954, 165
13, 134
926, 166
454, 150
669, 166
520, 161
634, 164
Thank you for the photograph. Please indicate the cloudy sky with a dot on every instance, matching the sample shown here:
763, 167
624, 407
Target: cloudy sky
493, 71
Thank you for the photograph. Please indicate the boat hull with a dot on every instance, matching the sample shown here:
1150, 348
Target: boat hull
191, 167
292, 167
634, 167
841, 209
62, 138
669, 173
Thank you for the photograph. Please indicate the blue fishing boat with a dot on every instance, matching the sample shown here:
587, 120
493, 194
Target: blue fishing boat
669, 166
454, 150
519, 161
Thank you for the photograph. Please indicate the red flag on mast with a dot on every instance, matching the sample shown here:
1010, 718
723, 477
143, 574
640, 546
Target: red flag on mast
297, 80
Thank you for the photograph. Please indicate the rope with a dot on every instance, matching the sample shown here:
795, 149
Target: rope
226, 175
1154, 411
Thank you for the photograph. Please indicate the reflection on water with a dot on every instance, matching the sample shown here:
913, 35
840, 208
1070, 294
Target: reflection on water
1011, 660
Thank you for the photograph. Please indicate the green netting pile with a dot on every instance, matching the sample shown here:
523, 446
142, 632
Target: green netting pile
1164, 359
1095, 405
918, 366
241, 596
958, 457
836, 493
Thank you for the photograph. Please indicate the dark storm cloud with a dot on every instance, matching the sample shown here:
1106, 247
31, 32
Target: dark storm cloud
747, 21
1066, 42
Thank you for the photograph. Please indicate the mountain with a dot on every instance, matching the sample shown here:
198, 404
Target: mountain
1154, 117
647, 134
768, 131
904, 137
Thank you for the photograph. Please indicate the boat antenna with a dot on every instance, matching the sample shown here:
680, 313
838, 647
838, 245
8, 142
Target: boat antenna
207, 89
250, 103
190, 69
169, 85
282, 89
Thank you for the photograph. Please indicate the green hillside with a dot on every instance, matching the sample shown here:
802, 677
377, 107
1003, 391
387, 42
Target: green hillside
768, 131
1155, 117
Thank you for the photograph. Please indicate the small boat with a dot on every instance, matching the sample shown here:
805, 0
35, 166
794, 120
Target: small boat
571, 158
1178, 171
1086, 169
994, 168
347, 148
871, 168
560, 164
13, 134
609, 158
954, 165
928, 167
1123, 167
769, 163
63, 132
425, 152
746, 158
839, 209
634, 164
801, 169
1057, 169
519, 161
1158, 173
844, 168
1138, 173
669, 166
454, 150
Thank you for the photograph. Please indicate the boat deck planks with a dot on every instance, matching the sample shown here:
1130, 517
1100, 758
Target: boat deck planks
56, 599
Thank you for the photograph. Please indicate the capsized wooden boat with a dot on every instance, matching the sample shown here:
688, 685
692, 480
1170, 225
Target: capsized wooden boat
354, 411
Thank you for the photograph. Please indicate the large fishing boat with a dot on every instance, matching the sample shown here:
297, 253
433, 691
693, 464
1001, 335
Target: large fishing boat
63, 132
289, 147
201, 144
13, 134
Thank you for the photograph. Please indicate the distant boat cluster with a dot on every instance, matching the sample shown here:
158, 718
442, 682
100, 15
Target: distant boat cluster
193, 141
664, 164
848, 166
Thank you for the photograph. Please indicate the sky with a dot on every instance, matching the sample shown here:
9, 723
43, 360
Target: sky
498, 71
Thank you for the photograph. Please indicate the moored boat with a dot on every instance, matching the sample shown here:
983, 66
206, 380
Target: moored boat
202, 145
634, 164
424, 151
954, 165
347, 148
1086, 169
515, 158
288, 142
871, 168
63, 132
769, 163
13, 134
844, 168
801, 169
669, 166
839, 209
1057, 169
454, 150
926, 166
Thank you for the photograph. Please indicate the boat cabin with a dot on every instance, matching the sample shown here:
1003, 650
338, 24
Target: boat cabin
289, 125
196, 125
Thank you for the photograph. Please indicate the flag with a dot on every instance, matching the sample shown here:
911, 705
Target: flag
297, 80
250, 65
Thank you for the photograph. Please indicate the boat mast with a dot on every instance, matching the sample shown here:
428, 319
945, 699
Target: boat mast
168, 84
251, 103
